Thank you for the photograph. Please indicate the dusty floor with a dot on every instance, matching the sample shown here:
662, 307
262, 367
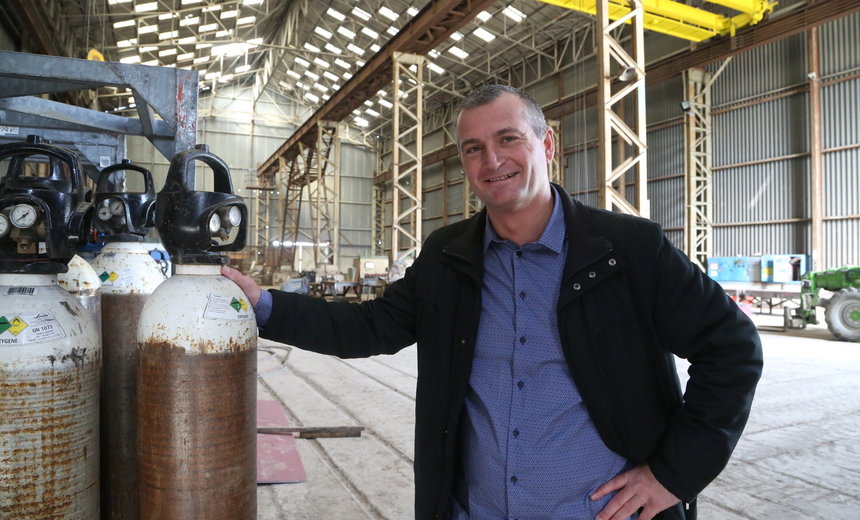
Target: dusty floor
799, 457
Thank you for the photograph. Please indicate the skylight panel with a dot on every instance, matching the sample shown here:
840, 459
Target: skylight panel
252, 2
457, 36
209, 27
242, 68
484, 34
355, 49
433, 53
312, 97
146, 29
201, 59
223, 34
360, 121
322, 32
342, 64
253, 42
168, 16
388, 13
124, 23
329, 76
145, 8
186, 41
331, 48
346, 75
411, 11
247, 20
375, 48
147, 48
185, 57
370, 32
322, 63
484, 16
361, 13
346, 32
435, 68
392, 30
337, 15
185, 22
233, 13
130, 59
372, 112
312, 75
321, 88
167, 52
151, 63
212, 75
294, 74
458, 52
311, 47
303, 62
514, 14
189, 2
126, 43
168, 35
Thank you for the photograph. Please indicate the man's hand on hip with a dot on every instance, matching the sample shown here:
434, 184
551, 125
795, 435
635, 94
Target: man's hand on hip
637, 488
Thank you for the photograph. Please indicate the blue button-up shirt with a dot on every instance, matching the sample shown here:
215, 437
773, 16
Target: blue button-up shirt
530, 449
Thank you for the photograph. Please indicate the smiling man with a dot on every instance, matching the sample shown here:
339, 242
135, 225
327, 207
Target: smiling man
546, 331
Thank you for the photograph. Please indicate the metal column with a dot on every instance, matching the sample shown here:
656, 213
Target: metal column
324, 194
293, 180
556, 174
815, 169
377, 224
406, 180
698, 217
629, 74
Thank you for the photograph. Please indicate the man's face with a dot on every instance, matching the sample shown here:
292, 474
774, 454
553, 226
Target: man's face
505, 162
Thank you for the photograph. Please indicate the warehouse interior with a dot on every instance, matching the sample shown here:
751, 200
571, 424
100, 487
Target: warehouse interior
734, 124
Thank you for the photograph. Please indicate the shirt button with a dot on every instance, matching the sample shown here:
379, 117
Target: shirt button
523, 295
592, 274
516, 433
519, 253
522, 340
514, 479
576, 287
612, 261
520, 385
463, 341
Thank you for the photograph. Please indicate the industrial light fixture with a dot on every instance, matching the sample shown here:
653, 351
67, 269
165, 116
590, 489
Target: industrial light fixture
167, 52
246, 20
126, 43
372, 112
313, 75
187, 2
130, 59
346, 75
322, 63
147, 48
294, 74
392, 30
311, 47
199, 46
370, 32
456, 36
322, 32
185, 57
342, 64
360, 121
484, 16
411, 11
627, 74
435, 68
252, 2
331, 48
146, 29
168, 35
201, 59
331, 77
385, 103
375, 48
209, 27
303, 62
194, 20
355, 49
321, 88
312, 97
229, 14
124, 23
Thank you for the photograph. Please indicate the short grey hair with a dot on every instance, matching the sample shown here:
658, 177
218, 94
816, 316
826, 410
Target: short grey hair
488, 93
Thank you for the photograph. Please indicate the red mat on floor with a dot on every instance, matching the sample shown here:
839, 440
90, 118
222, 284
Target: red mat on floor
278, 460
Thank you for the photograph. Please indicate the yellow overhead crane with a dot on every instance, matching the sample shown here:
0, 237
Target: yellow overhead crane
681, 20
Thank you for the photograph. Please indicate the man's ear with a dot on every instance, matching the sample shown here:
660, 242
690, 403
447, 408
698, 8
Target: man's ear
549, 144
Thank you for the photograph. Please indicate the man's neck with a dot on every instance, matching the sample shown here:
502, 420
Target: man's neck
523, 226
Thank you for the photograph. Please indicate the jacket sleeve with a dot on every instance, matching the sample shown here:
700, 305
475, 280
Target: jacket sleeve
694, 319
347, 330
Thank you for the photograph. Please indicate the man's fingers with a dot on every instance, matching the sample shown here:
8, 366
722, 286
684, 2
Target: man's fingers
613, 485
614, 508
248, 286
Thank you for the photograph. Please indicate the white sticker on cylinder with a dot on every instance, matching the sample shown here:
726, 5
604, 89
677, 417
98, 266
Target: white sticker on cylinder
227, 308
24, 329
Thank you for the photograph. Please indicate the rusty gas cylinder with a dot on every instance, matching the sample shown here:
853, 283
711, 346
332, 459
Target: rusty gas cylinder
129, 275
82, 282
197, 399
49, 402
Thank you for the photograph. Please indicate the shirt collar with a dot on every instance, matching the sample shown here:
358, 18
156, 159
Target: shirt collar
552, 237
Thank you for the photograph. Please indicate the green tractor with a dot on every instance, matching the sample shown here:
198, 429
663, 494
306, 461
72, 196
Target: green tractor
842, 310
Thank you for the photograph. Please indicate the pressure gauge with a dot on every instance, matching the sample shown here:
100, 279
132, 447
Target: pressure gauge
23, 216
4, 225
104, 213
116, 207
214, 223
234, 216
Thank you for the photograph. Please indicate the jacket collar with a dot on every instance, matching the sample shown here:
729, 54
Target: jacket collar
585, 244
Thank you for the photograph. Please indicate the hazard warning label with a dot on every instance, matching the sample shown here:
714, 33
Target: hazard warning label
230, 308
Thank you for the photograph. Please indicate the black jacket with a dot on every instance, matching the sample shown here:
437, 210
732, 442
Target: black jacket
628, 300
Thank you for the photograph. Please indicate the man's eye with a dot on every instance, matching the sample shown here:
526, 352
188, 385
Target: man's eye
509, 138
472, 149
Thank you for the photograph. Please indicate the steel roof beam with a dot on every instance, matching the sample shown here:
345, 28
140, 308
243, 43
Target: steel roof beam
433, 25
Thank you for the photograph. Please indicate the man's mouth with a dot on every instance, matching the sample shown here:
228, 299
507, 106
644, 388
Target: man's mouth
502, 177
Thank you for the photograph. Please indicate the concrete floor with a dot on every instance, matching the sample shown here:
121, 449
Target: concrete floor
799, 457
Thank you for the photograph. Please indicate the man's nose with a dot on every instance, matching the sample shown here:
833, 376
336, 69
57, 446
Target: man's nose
492, 157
